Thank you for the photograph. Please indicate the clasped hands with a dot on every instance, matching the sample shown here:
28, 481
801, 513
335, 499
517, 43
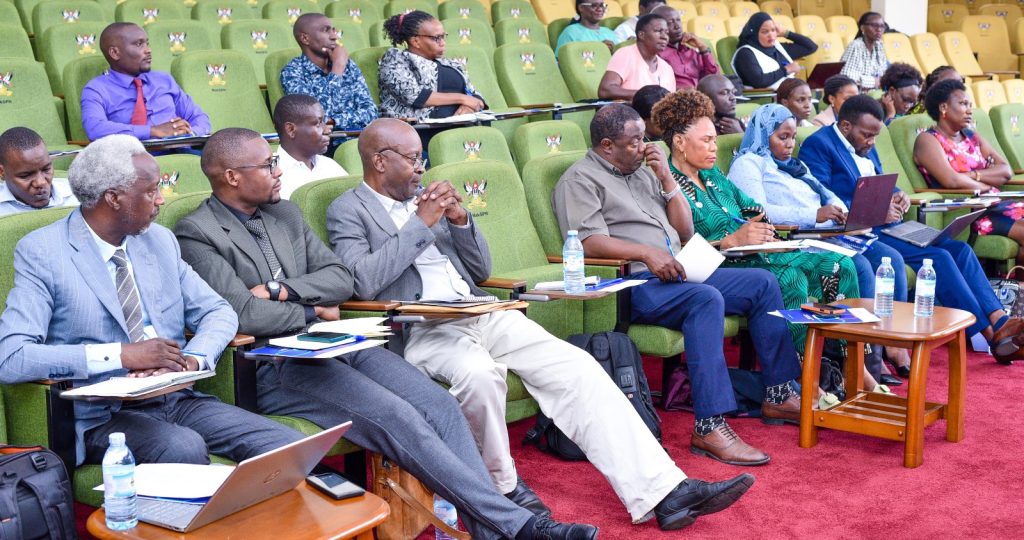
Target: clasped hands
155, 356
441, 199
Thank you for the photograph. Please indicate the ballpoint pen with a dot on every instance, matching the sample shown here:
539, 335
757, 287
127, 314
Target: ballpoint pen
668, 244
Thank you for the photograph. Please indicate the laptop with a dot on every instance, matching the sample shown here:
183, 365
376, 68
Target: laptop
252, 481
868, 208
922, 235
822, 72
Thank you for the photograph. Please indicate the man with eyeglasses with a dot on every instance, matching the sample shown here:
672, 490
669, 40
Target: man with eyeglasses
299, 121
586, 26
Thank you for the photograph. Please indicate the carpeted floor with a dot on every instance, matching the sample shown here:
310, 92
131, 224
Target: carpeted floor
848, 486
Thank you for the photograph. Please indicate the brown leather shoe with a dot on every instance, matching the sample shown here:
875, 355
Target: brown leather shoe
723, 444
787, 412
1008, 342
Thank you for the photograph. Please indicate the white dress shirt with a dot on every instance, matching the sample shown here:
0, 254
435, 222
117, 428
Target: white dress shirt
864, 165
60, 195
440, 279
295, 173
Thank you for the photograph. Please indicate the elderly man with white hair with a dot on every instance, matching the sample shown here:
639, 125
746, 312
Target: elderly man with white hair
104, 293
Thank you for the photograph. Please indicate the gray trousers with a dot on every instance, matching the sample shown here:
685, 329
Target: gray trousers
185, 427
398, 412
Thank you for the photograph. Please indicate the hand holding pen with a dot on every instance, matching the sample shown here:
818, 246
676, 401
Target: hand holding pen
753, 231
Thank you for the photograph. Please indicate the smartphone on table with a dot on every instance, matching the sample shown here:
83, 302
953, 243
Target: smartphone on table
823, 309
325, 337
334, 485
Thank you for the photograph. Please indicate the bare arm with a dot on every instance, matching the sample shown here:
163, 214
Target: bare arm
658, 261
928, 154
678, 210
611, 87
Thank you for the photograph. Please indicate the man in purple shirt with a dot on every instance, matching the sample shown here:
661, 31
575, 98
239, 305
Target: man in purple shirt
689, 57
111, 102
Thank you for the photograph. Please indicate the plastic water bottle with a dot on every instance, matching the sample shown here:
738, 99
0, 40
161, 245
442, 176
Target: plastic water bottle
885, 288
572, 264
924, 300
445, 511
119, 485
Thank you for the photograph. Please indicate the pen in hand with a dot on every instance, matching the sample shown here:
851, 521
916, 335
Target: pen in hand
668, 245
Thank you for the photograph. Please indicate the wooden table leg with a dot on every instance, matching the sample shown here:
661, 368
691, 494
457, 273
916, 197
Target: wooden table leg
913, 453
809, 388
957, 384
854, 368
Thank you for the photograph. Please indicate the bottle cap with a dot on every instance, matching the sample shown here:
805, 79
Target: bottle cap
573, 232
886, 260
116, 438
926, 262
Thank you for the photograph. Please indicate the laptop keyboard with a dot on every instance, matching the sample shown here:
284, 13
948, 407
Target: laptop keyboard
163, 512
914, 232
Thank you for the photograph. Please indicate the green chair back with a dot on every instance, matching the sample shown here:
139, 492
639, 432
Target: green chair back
375, 31
611, 23
539, 179
224, 85
76, 75
904, 132
55, 12
1007, 123
26, 100
583, 64
289, 10
477, 63
24, 8
169, 38
625, 43
272, 67
801, 135
983, 125
179, 206
15, 43
469, 32
397, 7
512, 9
363, 12
368, 60
745, 110
63, 43
468, 144
256, 38
535, 140
728, 146
181, 174
522, 30
529, 75
147, 12
219, 13
352, 36
314, 198
555, 28
10, 16
891, 161
12, 228
724, 51
347, 155
463, 9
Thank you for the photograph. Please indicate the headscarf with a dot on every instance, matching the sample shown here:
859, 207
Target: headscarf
763, 123
748, 36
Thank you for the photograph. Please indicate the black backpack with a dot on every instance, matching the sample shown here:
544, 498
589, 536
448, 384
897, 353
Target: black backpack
35, 495
620, 359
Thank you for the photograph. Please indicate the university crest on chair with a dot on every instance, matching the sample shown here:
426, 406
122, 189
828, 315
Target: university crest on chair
216, 74
476, 194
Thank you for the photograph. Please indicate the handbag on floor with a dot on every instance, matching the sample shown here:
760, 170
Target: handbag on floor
412, 504
35, 495
1008, 291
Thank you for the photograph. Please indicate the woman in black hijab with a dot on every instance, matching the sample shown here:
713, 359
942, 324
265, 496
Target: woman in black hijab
761, 61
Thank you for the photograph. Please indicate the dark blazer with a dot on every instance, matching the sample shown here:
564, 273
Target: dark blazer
830, 162
216, 243
365, 237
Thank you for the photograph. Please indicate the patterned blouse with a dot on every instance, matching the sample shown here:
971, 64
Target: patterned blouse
720, 208
345, 98
407, 79
863, 64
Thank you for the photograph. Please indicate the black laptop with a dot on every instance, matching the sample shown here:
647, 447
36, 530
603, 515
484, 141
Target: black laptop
822, 72
868, 209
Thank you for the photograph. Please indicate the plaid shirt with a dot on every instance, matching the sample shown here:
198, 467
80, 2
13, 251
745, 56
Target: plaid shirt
345, 98
863, 65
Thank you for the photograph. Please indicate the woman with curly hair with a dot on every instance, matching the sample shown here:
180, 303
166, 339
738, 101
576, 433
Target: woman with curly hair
722, 212
902, 86
940, 73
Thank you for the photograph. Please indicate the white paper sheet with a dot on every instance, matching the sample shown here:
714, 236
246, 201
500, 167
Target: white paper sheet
560, 285
130, 386
623, 285
699, 258
178, 480
785, 244
361, 326
827, 246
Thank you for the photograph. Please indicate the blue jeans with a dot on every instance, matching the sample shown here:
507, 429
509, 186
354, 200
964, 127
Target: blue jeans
698, 310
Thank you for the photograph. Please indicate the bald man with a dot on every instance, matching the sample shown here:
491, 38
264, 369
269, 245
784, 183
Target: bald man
690, 57
722, 92
132, 100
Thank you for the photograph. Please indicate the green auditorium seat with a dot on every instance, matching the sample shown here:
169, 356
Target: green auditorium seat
15, 43
70, 12
463, 9
522, 30
375, 31
147, 12
272, 67
63, 43
26, 100
745, 110
611, 22
181, 174
397, 7
224, 85
728, 145
1008, 124
363, 12
289, 10
169, 38
512, 9
24, 8
347, 155
555, 28
256, 38
469, 144
10, 16
724, 50
477, 63
538, 139
368, 60
77, 74
352, 36
583, 64
469, 32
216, 14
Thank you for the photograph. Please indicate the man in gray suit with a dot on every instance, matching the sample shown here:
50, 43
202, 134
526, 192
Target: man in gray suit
404, 246
256, 250
105, 293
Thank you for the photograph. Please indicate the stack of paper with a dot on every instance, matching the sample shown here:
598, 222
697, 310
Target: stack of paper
699, 259
369, 327
128, 387
178, 480
560, 285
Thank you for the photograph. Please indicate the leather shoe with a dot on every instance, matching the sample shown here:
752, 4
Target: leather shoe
723, 444
693, 498
548, 529
902, 371
1008, 342
524, 497
787, 412
890, 380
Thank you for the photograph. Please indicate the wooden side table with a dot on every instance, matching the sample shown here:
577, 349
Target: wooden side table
881, 415
299, 514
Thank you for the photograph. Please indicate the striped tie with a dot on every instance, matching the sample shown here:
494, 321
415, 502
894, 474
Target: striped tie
128, 296
256, 227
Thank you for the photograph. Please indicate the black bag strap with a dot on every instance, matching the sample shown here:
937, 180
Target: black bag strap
58, 511
10, 517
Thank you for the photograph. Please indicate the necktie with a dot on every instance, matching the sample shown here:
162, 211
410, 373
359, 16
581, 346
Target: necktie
139, 112
128, 296
255, 226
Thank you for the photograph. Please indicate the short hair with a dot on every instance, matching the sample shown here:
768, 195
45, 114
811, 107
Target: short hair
610, 121
103, 165
834, 84
940, 93
787, 87
643, 22
222, 144
864, 18
676, 112
18, 139
302, 23
900, 75
108, 34
399, 28
858, 106
645, 98
291, 108
649, 3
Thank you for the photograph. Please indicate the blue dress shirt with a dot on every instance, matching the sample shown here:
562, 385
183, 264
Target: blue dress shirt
108, 102
345, 98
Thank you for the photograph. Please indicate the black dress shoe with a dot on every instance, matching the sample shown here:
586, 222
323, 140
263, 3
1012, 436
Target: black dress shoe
693, 498
523, 496
890, 380
549, 529
902, 371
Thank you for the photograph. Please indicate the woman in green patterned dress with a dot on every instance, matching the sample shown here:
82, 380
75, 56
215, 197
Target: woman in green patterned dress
722, 212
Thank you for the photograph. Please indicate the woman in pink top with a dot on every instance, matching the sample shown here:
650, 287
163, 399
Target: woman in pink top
636, 66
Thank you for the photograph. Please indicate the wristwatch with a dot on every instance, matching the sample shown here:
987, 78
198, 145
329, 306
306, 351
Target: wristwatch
667, 195
274, 288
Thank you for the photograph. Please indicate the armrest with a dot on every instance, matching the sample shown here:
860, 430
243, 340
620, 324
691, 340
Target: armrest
369, 305
79, 143
785, 228
951, 191
593, 261
1016, 182
503, 283
241, 339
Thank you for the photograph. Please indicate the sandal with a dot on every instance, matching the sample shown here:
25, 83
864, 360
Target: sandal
882, 389
827, 401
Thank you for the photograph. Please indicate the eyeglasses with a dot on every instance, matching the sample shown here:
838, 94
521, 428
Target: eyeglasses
269, 166
877, 26
594, 5
437, 39
416, 160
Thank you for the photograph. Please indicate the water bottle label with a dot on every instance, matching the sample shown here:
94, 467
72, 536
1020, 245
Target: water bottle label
885, 286
573, 263
925, 288
119, 483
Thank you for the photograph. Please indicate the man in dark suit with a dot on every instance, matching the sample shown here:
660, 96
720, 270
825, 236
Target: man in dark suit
256, 250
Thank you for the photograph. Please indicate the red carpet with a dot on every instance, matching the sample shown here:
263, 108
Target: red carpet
849, 486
